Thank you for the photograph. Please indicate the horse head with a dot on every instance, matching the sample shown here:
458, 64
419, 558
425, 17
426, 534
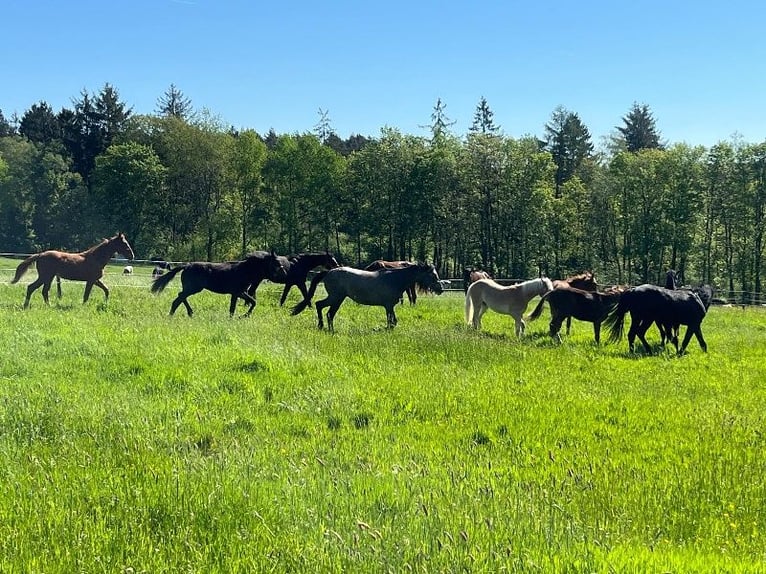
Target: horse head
277, 267
429, 279
330, 261
122, 246
671, 279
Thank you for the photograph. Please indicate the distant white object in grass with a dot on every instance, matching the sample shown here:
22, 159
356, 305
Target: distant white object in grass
127, 270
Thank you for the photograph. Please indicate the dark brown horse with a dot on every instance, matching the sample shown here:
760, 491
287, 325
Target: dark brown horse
377, 265
569, 302
231, 278
85, 266
584, 281
297, 268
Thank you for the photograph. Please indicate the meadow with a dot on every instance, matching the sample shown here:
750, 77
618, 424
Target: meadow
136, 442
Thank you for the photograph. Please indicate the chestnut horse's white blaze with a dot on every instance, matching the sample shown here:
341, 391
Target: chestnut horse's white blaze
513, 300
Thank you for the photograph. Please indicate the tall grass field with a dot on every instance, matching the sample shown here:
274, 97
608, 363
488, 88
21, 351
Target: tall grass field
132, 441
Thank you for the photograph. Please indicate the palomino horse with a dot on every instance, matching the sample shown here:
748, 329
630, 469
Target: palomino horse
569, 302
85, 266
648, 304
231, 278
382, 288
297, 268
513, 300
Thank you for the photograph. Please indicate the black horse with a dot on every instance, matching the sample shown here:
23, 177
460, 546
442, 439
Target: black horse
412, 292
231, 278
297, 268
570, 302
382, 288
648, 304
669, 332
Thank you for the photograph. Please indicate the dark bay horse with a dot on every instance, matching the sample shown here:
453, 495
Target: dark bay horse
382, 288
569, 302
297, 268
85, 266
648, 304
378, 264
585, 281
230, 278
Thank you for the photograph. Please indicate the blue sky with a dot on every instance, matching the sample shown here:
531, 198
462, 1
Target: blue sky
699, 66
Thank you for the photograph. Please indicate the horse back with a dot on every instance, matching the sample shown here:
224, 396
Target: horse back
582, 305
660, 304
72, 266
364, 287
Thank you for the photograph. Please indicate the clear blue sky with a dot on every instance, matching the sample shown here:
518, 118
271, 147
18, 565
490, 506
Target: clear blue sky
273, 64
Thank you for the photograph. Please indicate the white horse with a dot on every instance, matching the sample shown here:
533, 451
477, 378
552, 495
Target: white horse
486, 294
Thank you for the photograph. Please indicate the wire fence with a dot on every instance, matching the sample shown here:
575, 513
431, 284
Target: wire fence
141, 276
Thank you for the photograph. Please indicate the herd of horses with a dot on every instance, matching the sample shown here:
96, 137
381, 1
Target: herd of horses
383, 284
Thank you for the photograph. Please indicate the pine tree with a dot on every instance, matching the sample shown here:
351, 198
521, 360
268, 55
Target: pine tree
483, 121
640, 129
569, 143
174, 104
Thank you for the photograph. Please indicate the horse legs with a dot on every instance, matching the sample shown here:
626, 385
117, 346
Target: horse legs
331, 314
58, 286
687, 337
569, 324
390, 317
286, 290
319, 306
47, 290
411, 295
597, 331
246, 298
89, 286
478, 311
641, 330
31, 289
521, 326
555, 327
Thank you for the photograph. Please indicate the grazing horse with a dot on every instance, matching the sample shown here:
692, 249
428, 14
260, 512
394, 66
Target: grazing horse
85, 266
648, 304
232, 278
471, 275
297, 268
584, 281
382, 288
513, 300
378, 264
569, 302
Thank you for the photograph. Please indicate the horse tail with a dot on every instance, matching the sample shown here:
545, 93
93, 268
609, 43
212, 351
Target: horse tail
23, 266
615, 320
161, 281
318, 278
539, 309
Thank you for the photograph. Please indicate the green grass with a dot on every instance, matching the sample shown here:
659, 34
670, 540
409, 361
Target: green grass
136, 442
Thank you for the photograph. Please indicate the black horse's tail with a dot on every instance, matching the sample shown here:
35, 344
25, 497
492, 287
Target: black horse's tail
161, 281
539, 309
615, 320
318, 278
23, 266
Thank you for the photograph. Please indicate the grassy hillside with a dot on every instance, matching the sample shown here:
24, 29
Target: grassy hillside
132, 441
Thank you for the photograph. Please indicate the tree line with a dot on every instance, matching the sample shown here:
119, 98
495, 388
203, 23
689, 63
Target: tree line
184, 186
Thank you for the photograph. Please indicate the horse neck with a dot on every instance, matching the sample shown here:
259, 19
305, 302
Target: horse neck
312, 260
536, 287
406, 275
102, 252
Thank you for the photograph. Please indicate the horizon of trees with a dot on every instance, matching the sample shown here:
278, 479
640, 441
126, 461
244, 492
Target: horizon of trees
185, 187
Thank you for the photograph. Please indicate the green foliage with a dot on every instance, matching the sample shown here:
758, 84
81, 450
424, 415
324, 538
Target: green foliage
132, 441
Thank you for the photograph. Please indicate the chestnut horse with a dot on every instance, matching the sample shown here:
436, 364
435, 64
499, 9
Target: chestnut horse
85, 266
